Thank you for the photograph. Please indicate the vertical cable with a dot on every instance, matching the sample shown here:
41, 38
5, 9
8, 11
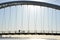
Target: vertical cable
28, 16
9, 21
16, 16
3, 18
41, 18
42, 21
22, 17
48, 19
56, 19
52, 21
35, 18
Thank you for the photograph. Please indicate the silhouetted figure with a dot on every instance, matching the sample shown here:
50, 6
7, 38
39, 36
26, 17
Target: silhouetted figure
19, 31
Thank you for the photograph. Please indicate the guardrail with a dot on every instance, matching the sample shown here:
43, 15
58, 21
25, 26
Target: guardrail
25, 33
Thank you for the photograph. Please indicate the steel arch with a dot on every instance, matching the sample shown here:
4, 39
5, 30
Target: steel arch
13, 3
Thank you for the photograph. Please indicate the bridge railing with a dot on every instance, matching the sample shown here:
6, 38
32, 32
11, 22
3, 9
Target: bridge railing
22, 31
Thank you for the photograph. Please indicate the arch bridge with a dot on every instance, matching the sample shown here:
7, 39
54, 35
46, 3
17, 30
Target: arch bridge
40, 9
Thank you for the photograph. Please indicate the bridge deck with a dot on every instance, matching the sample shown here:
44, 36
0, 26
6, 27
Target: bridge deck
30, 33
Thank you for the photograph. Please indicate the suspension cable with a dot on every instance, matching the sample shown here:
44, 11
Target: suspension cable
56, 19
16, 16
48, 19
3, 18
41, 18
35, 19
52, 21
9, 21
22, 17
28, 16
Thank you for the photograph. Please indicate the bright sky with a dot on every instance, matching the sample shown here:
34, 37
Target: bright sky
34, 16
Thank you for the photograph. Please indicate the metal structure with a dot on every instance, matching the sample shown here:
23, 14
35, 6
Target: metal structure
7, 4
14, 3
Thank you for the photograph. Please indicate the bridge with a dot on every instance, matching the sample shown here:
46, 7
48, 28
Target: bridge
50, 9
